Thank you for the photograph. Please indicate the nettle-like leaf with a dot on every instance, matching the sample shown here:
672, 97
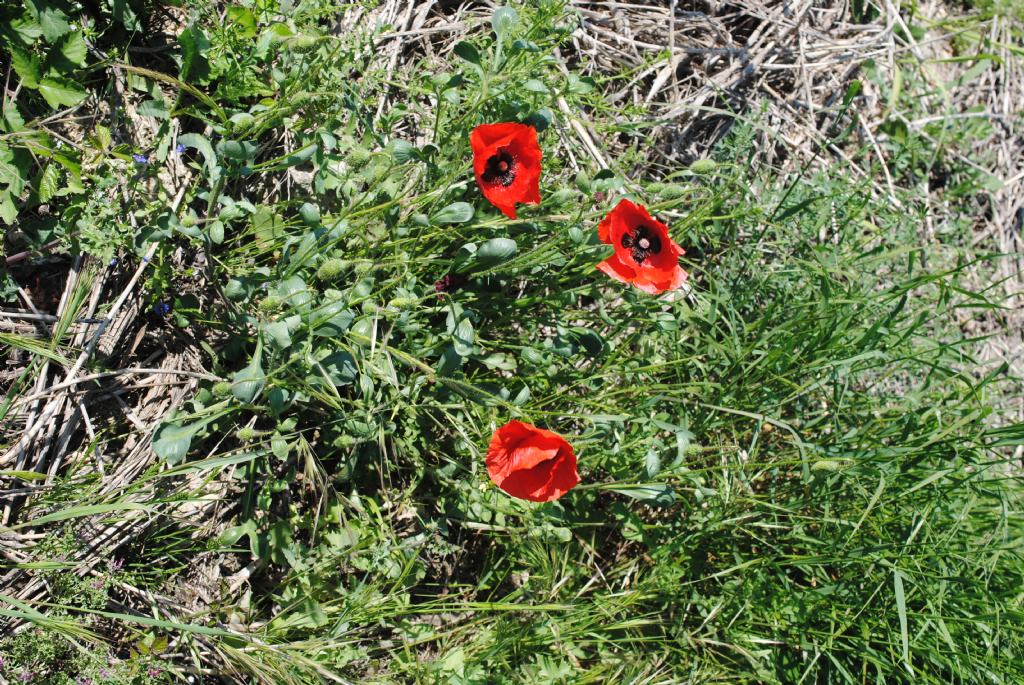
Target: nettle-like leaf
52, 21
61, 92
49, 182
153, 108
74, 49
26, 66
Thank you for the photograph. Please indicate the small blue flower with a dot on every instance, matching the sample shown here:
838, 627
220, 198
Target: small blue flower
161, 309
180, 148
113, 261
140, 159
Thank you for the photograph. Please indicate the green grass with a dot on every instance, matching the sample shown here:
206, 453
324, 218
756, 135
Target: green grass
790, 473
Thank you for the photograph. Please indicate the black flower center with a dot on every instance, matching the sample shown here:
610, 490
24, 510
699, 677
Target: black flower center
642, 243
501, 168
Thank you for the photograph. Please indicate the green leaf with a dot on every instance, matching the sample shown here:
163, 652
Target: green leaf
340, 368
242, 20
277, 333
12, 119
59, 91
209, 464
279, 446
653, 493
8, 210
27, 31
74, 49
216, 231
83, 511
194, 65
199, 142
504, 20
463, 337
652, 462
310, 214
535, 86
52, 21
248, 383
171, 442
402, 151
49, 182
154, 108
494, 252
239, 151
467, 52
26, 66
124, 14
901, 611
455, 213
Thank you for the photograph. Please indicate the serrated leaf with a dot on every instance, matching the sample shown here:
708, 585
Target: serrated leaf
26, 66
455, 213
26, 30
8, 210
49, 182
52, 20
124, 14
74, 49
13, 121
154, 108
60, 92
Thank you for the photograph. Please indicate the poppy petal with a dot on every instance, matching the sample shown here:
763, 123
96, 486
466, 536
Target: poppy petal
614, 267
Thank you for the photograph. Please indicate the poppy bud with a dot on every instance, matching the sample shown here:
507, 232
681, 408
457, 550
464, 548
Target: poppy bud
271, 303
245, 434
330, 269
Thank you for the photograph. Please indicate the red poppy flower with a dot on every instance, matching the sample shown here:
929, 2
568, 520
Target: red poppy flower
645, 256
506, 161
531, 463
